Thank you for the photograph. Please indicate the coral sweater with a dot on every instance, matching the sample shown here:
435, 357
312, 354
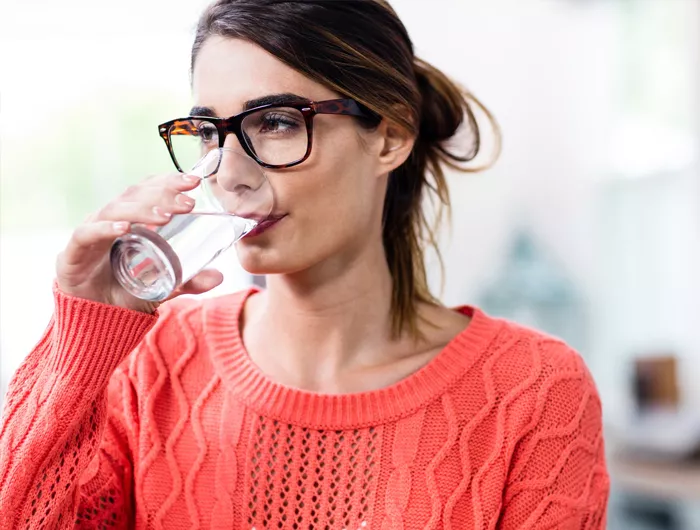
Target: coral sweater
119, 419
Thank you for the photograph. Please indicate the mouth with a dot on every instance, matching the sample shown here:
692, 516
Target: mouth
265, 225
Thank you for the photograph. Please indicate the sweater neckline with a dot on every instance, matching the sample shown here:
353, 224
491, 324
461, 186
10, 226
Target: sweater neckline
247, 383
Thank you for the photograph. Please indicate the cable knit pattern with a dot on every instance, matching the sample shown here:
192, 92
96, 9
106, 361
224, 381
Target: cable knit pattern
119, 419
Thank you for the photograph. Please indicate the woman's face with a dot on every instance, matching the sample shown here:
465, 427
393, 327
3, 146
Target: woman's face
331, 204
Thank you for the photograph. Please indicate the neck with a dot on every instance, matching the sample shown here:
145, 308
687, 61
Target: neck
334, 317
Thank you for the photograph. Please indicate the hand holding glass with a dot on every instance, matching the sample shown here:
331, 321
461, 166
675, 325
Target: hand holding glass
233, 197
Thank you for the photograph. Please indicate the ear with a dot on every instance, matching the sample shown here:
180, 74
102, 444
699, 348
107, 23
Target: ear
396, 145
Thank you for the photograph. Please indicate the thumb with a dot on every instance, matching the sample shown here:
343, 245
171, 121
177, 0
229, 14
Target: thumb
202, 282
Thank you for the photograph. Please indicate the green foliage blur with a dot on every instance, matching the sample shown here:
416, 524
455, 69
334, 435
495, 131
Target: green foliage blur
56, 169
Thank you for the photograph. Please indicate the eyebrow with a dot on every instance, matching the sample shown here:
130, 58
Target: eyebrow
271, 99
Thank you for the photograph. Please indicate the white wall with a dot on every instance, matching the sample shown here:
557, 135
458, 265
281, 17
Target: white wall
547, 69
539, 69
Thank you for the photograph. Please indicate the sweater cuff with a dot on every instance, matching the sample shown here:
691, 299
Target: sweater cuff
91, 339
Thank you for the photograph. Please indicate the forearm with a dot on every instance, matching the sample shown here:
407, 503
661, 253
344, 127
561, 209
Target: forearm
55, 414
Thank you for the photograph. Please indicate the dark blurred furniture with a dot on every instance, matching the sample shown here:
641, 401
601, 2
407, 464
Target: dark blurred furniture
654, 495
671, 480
653, 461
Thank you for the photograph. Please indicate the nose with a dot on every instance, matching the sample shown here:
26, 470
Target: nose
243, 186
237, 172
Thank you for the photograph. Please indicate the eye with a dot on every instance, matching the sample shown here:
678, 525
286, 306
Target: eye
278, 122
207, 132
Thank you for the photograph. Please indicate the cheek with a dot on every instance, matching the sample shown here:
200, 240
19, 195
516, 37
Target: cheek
335, 181
333, 201
337, 189
336, 216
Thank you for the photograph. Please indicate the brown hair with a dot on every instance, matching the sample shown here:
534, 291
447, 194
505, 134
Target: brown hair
362, 50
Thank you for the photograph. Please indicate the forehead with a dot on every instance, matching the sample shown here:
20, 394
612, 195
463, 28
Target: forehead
229, 72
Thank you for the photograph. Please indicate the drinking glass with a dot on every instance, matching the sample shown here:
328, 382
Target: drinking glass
232, 198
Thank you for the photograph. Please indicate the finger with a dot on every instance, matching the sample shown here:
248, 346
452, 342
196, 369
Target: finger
202, 282
174, 181
136, 213
90, 218
183, 181
91, 238
141, 202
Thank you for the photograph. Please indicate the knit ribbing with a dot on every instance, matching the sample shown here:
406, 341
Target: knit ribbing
319, 411
91, 339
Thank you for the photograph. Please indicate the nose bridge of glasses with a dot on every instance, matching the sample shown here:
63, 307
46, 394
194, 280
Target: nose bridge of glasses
236, 137
232, 144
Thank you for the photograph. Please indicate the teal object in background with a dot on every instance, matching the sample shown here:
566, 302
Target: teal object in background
533, 290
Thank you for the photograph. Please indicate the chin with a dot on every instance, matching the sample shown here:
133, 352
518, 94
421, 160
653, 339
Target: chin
262, 260
280, 252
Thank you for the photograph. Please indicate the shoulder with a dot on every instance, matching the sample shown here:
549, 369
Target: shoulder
549, 414
514, 346
532, 376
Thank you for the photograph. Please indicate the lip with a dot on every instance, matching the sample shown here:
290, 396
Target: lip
265, 225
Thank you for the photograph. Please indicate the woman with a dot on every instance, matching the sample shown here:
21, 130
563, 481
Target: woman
343, 395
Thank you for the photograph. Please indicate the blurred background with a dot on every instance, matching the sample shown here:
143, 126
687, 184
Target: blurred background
588, 227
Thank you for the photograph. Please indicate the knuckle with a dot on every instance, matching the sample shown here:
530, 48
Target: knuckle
105, 211
79, 234
131, 190
156, 180
90, 218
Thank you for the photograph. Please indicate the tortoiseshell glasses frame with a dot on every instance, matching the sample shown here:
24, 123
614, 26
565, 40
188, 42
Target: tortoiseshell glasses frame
233, 125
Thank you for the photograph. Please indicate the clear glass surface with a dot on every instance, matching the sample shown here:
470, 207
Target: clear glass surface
233, 197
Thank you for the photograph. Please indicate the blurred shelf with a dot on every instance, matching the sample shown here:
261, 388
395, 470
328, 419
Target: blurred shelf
668, 480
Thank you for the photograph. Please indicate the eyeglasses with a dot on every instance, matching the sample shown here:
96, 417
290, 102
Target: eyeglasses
278, 135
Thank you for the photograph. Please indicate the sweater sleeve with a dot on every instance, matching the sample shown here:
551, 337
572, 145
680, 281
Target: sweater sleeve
63, 447
558, 476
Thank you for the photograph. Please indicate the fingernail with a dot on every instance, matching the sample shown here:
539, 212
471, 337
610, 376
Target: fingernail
190, 178
161, 213
184, 200
120, 227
